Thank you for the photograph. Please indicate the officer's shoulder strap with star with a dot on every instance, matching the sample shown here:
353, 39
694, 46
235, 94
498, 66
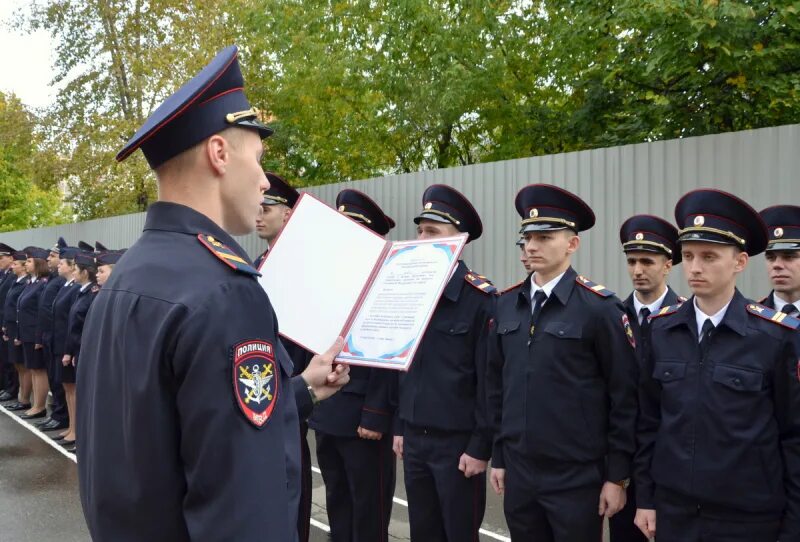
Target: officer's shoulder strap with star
593, 287
513, 287
665, 311
226, 255
480, 282
772, 315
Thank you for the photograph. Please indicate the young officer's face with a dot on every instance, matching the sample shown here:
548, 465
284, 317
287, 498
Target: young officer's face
783, 267
65, 269
18, 267
648, 271
103, 272
271, 220
711, 268
549, 250
244, 183
430, 229
52, 261
30, 266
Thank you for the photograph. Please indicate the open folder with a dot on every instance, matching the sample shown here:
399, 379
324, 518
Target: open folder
328, 276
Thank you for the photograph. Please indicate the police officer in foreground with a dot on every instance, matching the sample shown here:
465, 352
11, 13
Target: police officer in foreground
783, 258
651, 250
187, 419
561, 384
276, 208
719, 426
353, 428
8, 376
441, 431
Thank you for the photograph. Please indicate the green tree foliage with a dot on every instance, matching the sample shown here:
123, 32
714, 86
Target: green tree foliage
360, 88
28, 171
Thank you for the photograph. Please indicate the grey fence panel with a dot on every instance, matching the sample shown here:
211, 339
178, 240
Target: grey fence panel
760, 166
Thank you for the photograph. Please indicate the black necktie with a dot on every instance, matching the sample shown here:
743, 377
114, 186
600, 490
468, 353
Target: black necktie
705, 335
789, 308
644, 325
538, 301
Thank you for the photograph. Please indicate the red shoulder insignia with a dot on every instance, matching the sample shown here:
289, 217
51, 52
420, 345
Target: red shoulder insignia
480, 282
664, 311
593, 287
772, 315
226, 255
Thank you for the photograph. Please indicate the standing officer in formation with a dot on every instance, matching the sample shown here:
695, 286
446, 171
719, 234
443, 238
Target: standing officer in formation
719, 424
8, 375
651, 250
783, 258
186, 405
561, 384
10, 331
276, 208
353, 428
441, 428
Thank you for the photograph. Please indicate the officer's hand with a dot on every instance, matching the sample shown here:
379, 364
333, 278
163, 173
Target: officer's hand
471, 466
322, 376
66, 360
646, 521
498, 480
369, 435
5, 338
38, 347
17, 342
612, 499
397, 447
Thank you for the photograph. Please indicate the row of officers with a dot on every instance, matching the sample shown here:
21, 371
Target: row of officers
45, 295
190, 406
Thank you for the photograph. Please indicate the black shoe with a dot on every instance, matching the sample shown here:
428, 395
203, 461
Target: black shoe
57, 437
18, 406
38, 415
43, 422
54, 425
67, 443
72, 449
5, 396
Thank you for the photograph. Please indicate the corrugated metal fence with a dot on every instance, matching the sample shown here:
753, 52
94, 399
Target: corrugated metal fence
760, 166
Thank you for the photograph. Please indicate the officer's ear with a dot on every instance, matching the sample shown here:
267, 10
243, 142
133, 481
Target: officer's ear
573, 241
741, 258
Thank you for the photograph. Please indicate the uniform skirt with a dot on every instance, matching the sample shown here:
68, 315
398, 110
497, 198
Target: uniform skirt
67, 373
15, 355
34, 359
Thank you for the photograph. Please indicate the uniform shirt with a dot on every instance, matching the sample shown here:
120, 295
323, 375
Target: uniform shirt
28, 310
652, 307
444, 387
721, 429
701, 317
61, 306
632, 309
174, 457
566, 390
546, 288
779, 303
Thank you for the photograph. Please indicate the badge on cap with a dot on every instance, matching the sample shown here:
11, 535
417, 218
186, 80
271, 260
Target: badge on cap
255, 380
778, 232
429, 205
341, 208
699, 220
639, 236
534, 213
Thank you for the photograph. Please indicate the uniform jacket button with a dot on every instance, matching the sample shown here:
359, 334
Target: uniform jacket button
560, 332
667, 373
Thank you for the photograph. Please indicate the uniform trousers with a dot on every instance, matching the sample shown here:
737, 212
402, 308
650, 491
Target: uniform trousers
621, 526
359, 477
443, 505
58, 410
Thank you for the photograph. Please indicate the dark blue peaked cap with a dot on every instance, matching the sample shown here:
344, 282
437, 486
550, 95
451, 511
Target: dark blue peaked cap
86, 247
279, 191
714, 216
36, 252
68, 253
364, 210
650, 233
109, 258
6, 250
210, 102
442, 203
545, 207
59, 246
783, 223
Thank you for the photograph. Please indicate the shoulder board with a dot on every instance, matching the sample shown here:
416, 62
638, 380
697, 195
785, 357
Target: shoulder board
682, 299
664, 311
513, 287
593, 287
480, 282
772, 315
226, 255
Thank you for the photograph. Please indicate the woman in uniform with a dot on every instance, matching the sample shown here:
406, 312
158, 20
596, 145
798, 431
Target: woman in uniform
15, 356
86, 276
27, 320
105, 265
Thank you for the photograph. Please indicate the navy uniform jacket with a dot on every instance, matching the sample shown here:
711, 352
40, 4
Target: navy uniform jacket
7, 278
61, 306
77, 318
44, 324
260, 259
10, 308
160, 407
28, 310
723, 431
567, 392
444, 387
630, 309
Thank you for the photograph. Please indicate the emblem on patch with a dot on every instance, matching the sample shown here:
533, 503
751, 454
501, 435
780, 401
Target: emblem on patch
699, 220
626, 324
429, 205
534, 213
255, 380
778, 232
639, 236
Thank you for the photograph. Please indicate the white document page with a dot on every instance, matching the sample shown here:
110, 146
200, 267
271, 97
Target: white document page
316, 272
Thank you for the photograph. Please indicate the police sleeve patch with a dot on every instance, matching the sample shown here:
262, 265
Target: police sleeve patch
626, 324
593, 287
773, 316
255, 380
228, 256
480, 282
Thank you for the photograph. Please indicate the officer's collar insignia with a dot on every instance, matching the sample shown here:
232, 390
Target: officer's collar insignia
664, 311
626, 324
480, 282
255, 380
226, 255
772, 315
593, 287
